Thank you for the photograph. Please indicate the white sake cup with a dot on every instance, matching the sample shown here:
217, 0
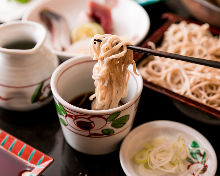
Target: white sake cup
103, 129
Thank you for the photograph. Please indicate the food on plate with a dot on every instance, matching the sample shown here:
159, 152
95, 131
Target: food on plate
59, 30
101, 14
110, 73
80, 47
97, 20
163, 154
86, 30
109, 3
22, 1
197, 82
168, 156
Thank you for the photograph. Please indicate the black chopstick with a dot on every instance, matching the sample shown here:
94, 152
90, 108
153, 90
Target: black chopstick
194, 60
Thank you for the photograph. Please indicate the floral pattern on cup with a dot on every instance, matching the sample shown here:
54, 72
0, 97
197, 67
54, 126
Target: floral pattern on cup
92, 125
41, 93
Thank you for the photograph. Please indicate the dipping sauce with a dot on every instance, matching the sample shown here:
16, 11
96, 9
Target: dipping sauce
82, 101
21, 45
12, 166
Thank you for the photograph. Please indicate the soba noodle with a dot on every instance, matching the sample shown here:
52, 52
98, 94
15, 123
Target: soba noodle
200, 83
111, 71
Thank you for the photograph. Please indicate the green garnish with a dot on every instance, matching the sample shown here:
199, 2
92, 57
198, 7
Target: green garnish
22, 1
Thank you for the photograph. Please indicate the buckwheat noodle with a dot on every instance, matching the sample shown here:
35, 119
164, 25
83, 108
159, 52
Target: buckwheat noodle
162, 155
111, 71
197, 82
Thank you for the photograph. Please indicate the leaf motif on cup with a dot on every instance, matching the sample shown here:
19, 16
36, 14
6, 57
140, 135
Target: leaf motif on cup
60, 109
120, 122
108, 131
113, 116
37, 93
63, 122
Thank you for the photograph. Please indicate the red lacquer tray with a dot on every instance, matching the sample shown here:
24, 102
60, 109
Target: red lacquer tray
156, 37
21, 154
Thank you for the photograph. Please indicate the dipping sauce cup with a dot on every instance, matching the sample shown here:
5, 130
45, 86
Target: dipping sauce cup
92, 131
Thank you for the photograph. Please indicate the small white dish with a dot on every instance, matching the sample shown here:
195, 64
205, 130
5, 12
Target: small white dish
12, 10
138, 137
130, 20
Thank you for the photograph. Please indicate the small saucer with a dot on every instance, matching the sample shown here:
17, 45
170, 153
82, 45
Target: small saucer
138, 137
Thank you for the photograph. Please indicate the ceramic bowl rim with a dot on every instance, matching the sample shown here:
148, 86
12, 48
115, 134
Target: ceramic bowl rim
76, 59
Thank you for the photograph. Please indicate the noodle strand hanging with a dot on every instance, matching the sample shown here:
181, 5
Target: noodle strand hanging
110, 73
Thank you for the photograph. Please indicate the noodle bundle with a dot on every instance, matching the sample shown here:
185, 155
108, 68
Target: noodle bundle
111, 71
197, 82
162, 155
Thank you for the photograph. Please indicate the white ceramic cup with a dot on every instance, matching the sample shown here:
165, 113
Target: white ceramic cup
91, 131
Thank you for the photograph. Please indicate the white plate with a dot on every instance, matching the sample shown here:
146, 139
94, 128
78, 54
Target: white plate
130, 20
137, 139
12, 10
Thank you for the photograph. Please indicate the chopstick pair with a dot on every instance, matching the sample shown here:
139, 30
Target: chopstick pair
194, 60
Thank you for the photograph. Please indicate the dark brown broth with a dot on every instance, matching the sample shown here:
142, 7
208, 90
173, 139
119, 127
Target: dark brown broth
82, 100
21, 45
